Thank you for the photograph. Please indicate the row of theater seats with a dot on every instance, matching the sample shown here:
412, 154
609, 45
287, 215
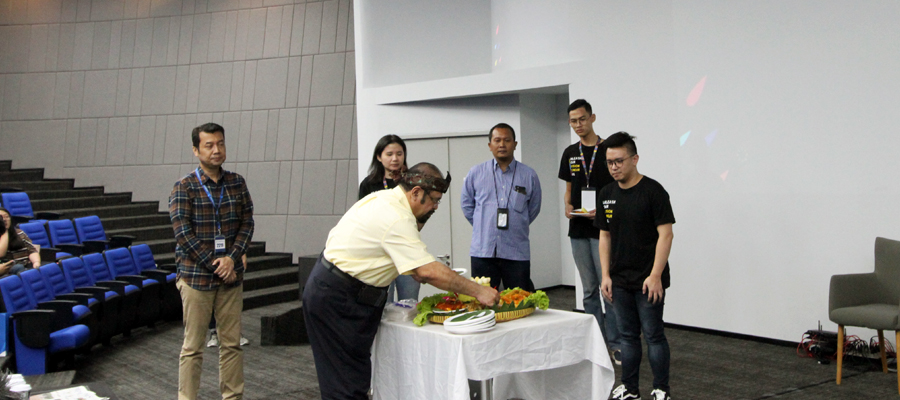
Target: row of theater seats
65, 237
65, 308
19, 206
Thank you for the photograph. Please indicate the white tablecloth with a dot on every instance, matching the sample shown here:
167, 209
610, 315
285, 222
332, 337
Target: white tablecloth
548, 355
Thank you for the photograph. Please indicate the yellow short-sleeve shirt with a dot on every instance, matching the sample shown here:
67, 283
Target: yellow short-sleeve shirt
377, 239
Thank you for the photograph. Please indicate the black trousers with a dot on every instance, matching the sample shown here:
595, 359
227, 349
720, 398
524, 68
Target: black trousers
341, 332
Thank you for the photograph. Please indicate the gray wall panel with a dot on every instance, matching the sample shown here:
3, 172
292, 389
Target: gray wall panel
145, 141
237, 86
66, 52
256, 33
182, 77
302, 125
164, 8
296, 187
37, 48
115, 44
317, 197
84, 11
159, 140
102, 141
293, 82
329, 26
249, 85
240, 38
312, 28
100, 93
287, 124
143, 43
328, 133
200, 38
348, 95
306, 73
101, 45
258, 133
160, 44
52, 53
84, 39
118, 134
61, 95
327, 80
43, 11
272, 32
126, 49
283, 188
343, 128
185, 39
230, 35
314, 127
172, 47
76, 94
174, 139
340, 189
272, 135
132, 139
340, 42
243, 147
217, 37
87, 142
102, 10
271, 83
158, 90
215, 87
136, 91
297, 29
262, 178
193, 94
36, 96
123, 92
72, 131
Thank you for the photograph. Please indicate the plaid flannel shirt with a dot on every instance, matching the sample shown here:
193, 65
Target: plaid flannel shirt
194, 222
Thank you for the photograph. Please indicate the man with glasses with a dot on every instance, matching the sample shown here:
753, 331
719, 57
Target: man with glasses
501, 198
376, 240
583, 169
635, 240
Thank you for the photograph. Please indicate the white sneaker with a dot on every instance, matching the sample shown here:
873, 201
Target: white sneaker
659, 394
244, 341
621, 393
213, 339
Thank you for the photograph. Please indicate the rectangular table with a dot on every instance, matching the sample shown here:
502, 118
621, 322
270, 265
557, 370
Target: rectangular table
549, 355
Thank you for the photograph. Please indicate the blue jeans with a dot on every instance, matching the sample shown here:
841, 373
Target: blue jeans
587, 258
635, 314
407, 288
511, 273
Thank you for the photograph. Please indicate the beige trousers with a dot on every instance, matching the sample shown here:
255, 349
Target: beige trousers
198, 308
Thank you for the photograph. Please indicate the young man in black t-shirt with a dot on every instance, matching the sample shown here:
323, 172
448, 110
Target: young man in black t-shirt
635, 240
583, 168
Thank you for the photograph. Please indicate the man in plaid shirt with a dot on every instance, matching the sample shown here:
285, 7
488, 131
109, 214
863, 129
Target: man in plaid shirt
212, 215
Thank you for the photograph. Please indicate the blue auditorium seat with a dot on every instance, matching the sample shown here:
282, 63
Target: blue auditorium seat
41, 291
106, 309
122, 267
92, 235
41, 337
146, 265
64, 237
101, 276
19, 206
38, 235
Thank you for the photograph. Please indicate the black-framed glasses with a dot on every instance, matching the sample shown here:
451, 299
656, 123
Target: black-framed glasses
617, 162
578, 121
436, 202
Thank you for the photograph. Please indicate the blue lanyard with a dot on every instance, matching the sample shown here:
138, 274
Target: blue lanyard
208, 194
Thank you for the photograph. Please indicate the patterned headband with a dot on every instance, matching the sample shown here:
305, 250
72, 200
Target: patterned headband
427, 182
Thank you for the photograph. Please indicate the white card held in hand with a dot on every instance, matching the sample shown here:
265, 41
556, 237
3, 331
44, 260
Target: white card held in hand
589, 199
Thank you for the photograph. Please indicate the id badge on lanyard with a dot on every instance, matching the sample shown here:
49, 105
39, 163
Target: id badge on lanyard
220, 244
502, 218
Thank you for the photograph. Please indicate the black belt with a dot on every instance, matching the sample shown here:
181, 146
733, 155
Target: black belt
367, 294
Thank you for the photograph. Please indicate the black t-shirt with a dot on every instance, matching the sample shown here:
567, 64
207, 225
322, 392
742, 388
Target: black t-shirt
571, 169
631, 217
371, 184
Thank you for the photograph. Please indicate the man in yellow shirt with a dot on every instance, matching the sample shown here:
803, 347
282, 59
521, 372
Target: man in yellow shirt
377, 239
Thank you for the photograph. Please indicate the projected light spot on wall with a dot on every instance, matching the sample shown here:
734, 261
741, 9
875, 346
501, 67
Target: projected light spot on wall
694, 96
711, 137
724, 175
684, 137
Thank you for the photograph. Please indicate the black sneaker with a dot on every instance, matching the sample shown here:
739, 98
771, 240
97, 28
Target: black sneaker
621, 393
659, 394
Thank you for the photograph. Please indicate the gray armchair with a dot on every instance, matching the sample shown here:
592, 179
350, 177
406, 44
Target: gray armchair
869, 300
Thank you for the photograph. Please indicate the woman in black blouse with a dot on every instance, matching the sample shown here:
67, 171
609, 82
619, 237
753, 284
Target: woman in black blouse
388, 163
